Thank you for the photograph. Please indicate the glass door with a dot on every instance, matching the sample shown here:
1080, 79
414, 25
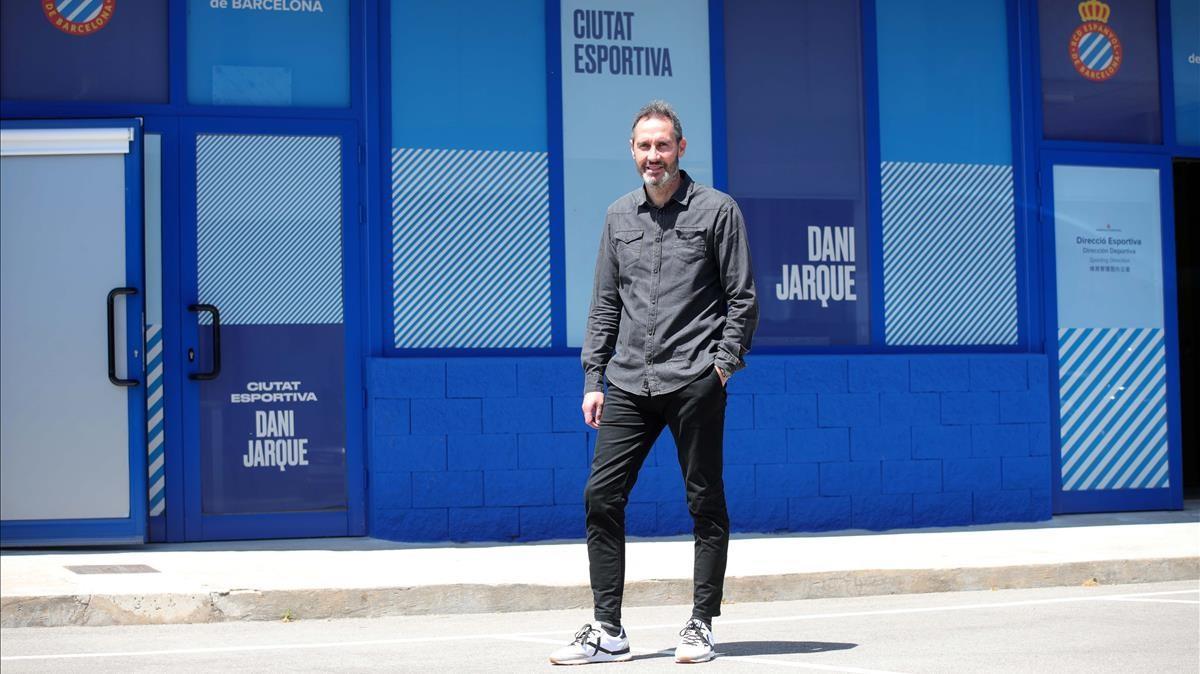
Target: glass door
1112, 325
272, 447
72, 405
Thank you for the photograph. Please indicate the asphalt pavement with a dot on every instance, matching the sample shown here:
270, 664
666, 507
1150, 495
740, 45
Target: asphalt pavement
1088, 628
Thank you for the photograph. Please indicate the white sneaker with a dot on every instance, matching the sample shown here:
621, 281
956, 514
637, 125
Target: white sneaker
593, 644
696, 642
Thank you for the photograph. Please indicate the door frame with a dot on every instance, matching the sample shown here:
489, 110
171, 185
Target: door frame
1113, 500
112, 530
188, 522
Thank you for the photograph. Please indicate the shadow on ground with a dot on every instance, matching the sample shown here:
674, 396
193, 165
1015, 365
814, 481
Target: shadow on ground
752, 648
749, 648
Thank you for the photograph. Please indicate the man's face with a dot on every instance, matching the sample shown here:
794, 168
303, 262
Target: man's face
655, 152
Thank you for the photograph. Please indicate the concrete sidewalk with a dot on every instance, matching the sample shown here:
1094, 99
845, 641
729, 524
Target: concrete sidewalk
362, 577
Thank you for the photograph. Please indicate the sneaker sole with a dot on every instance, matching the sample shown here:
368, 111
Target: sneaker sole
694, 661
624, 657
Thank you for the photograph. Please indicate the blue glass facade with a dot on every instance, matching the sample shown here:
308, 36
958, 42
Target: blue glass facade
908, 378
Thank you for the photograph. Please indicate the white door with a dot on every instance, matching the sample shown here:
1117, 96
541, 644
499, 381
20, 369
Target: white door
70, 335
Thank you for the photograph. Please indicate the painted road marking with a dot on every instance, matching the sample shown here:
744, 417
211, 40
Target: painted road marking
521, 636
1156, 601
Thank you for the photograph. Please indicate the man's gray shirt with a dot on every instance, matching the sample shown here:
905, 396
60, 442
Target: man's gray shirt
673, 294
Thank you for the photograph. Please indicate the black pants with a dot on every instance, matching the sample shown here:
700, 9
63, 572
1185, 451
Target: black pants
629, 426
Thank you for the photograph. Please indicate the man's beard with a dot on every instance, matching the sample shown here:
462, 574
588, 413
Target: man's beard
668, 174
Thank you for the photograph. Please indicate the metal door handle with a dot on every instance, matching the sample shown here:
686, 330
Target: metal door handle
216, 342
112, 339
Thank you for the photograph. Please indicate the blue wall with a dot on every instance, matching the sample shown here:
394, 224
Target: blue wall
470, 449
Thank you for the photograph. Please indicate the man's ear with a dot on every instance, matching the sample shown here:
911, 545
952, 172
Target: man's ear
632, 152
682, 146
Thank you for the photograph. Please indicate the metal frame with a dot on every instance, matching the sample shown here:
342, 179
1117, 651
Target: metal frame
1108, 500
166, 119
1024, 170
382, 332
1048, 151
131, 529
352, 521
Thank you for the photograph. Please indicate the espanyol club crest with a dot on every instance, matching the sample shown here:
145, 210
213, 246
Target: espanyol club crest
78, 17
1094, 47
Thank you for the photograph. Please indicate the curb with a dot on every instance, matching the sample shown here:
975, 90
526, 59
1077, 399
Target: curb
319, 604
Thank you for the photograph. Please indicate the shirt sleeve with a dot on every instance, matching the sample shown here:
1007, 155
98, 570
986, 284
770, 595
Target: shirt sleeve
737, 279
604, 317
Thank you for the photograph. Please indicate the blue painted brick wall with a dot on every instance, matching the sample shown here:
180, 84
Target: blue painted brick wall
552, 450
848, 409
448, 488
494, 449
825, 513
878, 443
481, 452
878, 373
484, 524
939, 373
516, 415
818, 445
446, 416
785, 411
480, 378
518, 487
786, 480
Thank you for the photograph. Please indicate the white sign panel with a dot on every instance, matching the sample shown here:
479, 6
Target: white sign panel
1108, 247
617, 56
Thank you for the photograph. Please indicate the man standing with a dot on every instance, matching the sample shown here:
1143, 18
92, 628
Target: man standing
673, 312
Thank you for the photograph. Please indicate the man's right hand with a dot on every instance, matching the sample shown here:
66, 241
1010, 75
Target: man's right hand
593, 406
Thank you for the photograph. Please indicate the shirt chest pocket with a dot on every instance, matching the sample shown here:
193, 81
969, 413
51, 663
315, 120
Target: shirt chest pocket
690, 245
629, 246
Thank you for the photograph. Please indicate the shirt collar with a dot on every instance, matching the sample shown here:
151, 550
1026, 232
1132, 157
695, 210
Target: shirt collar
682, 194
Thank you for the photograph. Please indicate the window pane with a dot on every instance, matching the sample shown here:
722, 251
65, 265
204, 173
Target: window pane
616, 56
84, 50
470, 175
795, 129
247, 52
1185, 40
946, 145
1112, 353
1100, 71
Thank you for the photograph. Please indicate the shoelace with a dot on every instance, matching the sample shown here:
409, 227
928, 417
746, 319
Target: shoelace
693, 633
584, 632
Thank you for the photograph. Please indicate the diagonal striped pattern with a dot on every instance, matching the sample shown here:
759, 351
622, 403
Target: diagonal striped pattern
79, 11
154, 421
470, 249
1112, 410
1095, 50
949, 256
269, 228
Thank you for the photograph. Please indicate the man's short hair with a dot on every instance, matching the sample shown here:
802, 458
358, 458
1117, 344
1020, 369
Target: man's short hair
658, 108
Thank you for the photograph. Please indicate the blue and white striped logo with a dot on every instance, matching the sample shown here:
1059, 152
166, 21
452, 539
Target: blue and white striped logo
1096, 50
269, 228
1113, 410
154, 421
78, 17
470, 249
949, 254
